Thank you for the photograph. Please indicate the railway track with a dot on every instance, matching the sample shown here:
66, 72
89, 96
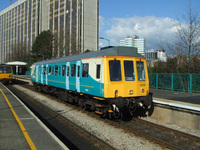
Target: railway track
71, 134
165, 137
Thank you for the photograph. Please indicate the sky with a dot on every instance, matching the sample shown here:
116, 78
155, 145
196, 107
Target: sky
153, 20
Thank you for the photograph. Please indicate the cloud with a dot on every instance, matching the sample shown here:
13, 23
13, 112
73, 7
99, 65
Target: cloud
153, 29
101, 23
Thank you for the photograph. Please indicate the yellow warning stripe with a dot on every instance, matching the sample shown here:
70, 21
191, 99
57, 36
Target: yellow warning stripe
27, 137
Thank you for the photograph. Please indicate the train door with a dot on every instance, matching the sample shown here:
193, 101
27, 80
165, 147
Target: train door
67, 75
78, 64
46, 74
41, 73
99, 78
36, 75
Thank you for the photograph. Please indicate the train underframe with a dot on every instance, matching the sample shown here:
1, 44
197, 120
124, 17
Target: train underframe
6, 81
112, 108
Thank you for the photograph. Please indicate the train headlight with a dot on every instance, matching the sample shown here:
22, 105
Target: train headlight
131, 92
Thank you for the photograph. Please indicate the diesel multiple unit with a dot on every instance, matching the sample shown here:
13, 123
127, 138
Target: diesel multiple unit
112, 81
6, 74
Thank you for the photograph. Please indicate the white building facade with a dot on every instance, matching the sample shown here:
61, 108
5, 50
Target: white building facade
74, 23
135, 41
155, 55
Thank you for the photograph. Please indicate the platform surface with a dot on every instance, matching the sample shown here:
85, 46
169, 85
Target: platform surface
27, 132
184, 100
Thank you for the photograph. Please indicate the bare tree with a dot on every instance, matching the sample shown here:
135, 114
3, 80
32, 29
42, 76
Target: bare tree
186, 47
188, 34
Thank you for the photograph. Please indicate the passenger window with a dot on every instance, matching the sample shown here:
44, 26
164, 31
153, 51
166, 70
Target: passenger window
59, 71
85, 70
56, 70
39, 70
68, 71
63, 70
129, 71
78, 75
44, 70
52, 70
98, 71
73, 70
115, 70
49, 73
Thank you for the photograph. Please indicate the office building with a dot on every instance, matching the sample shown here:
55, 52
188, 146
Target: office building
74, 24
155, 55
134, 41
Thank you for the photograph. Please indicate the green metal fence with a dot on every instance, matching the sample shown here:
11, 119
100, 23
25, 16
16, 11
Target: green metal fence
175, 81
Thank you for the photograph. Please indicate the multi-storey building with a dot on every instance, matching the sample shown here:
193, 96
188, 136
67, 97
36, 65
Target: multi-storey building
135, 41
155, 55
74, 24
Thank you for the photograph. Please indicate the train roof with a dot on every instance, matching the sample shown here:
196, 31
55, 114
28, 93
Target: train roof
113, 51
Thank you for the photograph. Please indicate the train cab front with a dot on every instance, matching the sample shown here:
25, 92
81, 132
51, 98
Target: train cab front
127, 84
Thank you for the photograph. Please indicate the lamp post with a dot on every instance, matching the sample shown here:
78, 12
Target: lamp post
42, 56
106, 40
63, 51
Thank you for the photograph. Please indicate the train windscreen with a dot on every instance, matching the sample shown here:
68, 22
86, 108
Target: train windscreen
5, 69
141, 71
129, 71
115, 70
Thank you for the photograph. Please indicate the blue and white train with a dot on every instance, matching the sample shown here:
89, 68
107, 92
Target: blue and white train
110, 81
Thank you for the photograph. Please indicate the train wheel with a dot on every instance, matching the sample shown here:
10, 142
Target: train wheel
117, 114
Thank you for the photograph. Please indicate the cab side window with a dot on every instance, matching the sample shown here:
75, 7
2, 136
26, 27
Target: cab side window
98, 71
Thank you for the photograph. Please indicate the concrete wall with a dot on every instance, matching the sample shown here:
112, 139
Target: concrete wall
180, 118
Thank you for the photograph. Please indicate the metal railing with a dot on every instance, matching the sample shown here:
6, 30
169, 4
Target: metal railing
175, 81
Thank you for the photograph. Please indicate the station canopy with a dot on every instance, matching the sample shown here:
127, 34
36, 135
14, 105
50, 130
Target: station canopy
16, 63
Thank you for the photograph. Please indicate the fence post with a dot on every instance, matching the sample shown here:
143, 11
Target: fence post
156, 80
172, 88
190, 83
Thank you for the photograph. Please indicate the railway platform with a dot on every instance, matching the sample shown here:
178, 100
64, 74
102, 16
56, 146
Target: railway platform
20, 128
190, 101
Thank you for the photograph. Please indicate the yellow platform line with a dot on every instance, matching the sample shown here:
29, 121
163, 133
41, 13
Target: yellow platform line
27, 137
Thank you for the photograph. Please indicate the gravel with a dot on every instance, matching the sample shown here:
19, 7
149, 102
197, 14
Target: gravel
112, 135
